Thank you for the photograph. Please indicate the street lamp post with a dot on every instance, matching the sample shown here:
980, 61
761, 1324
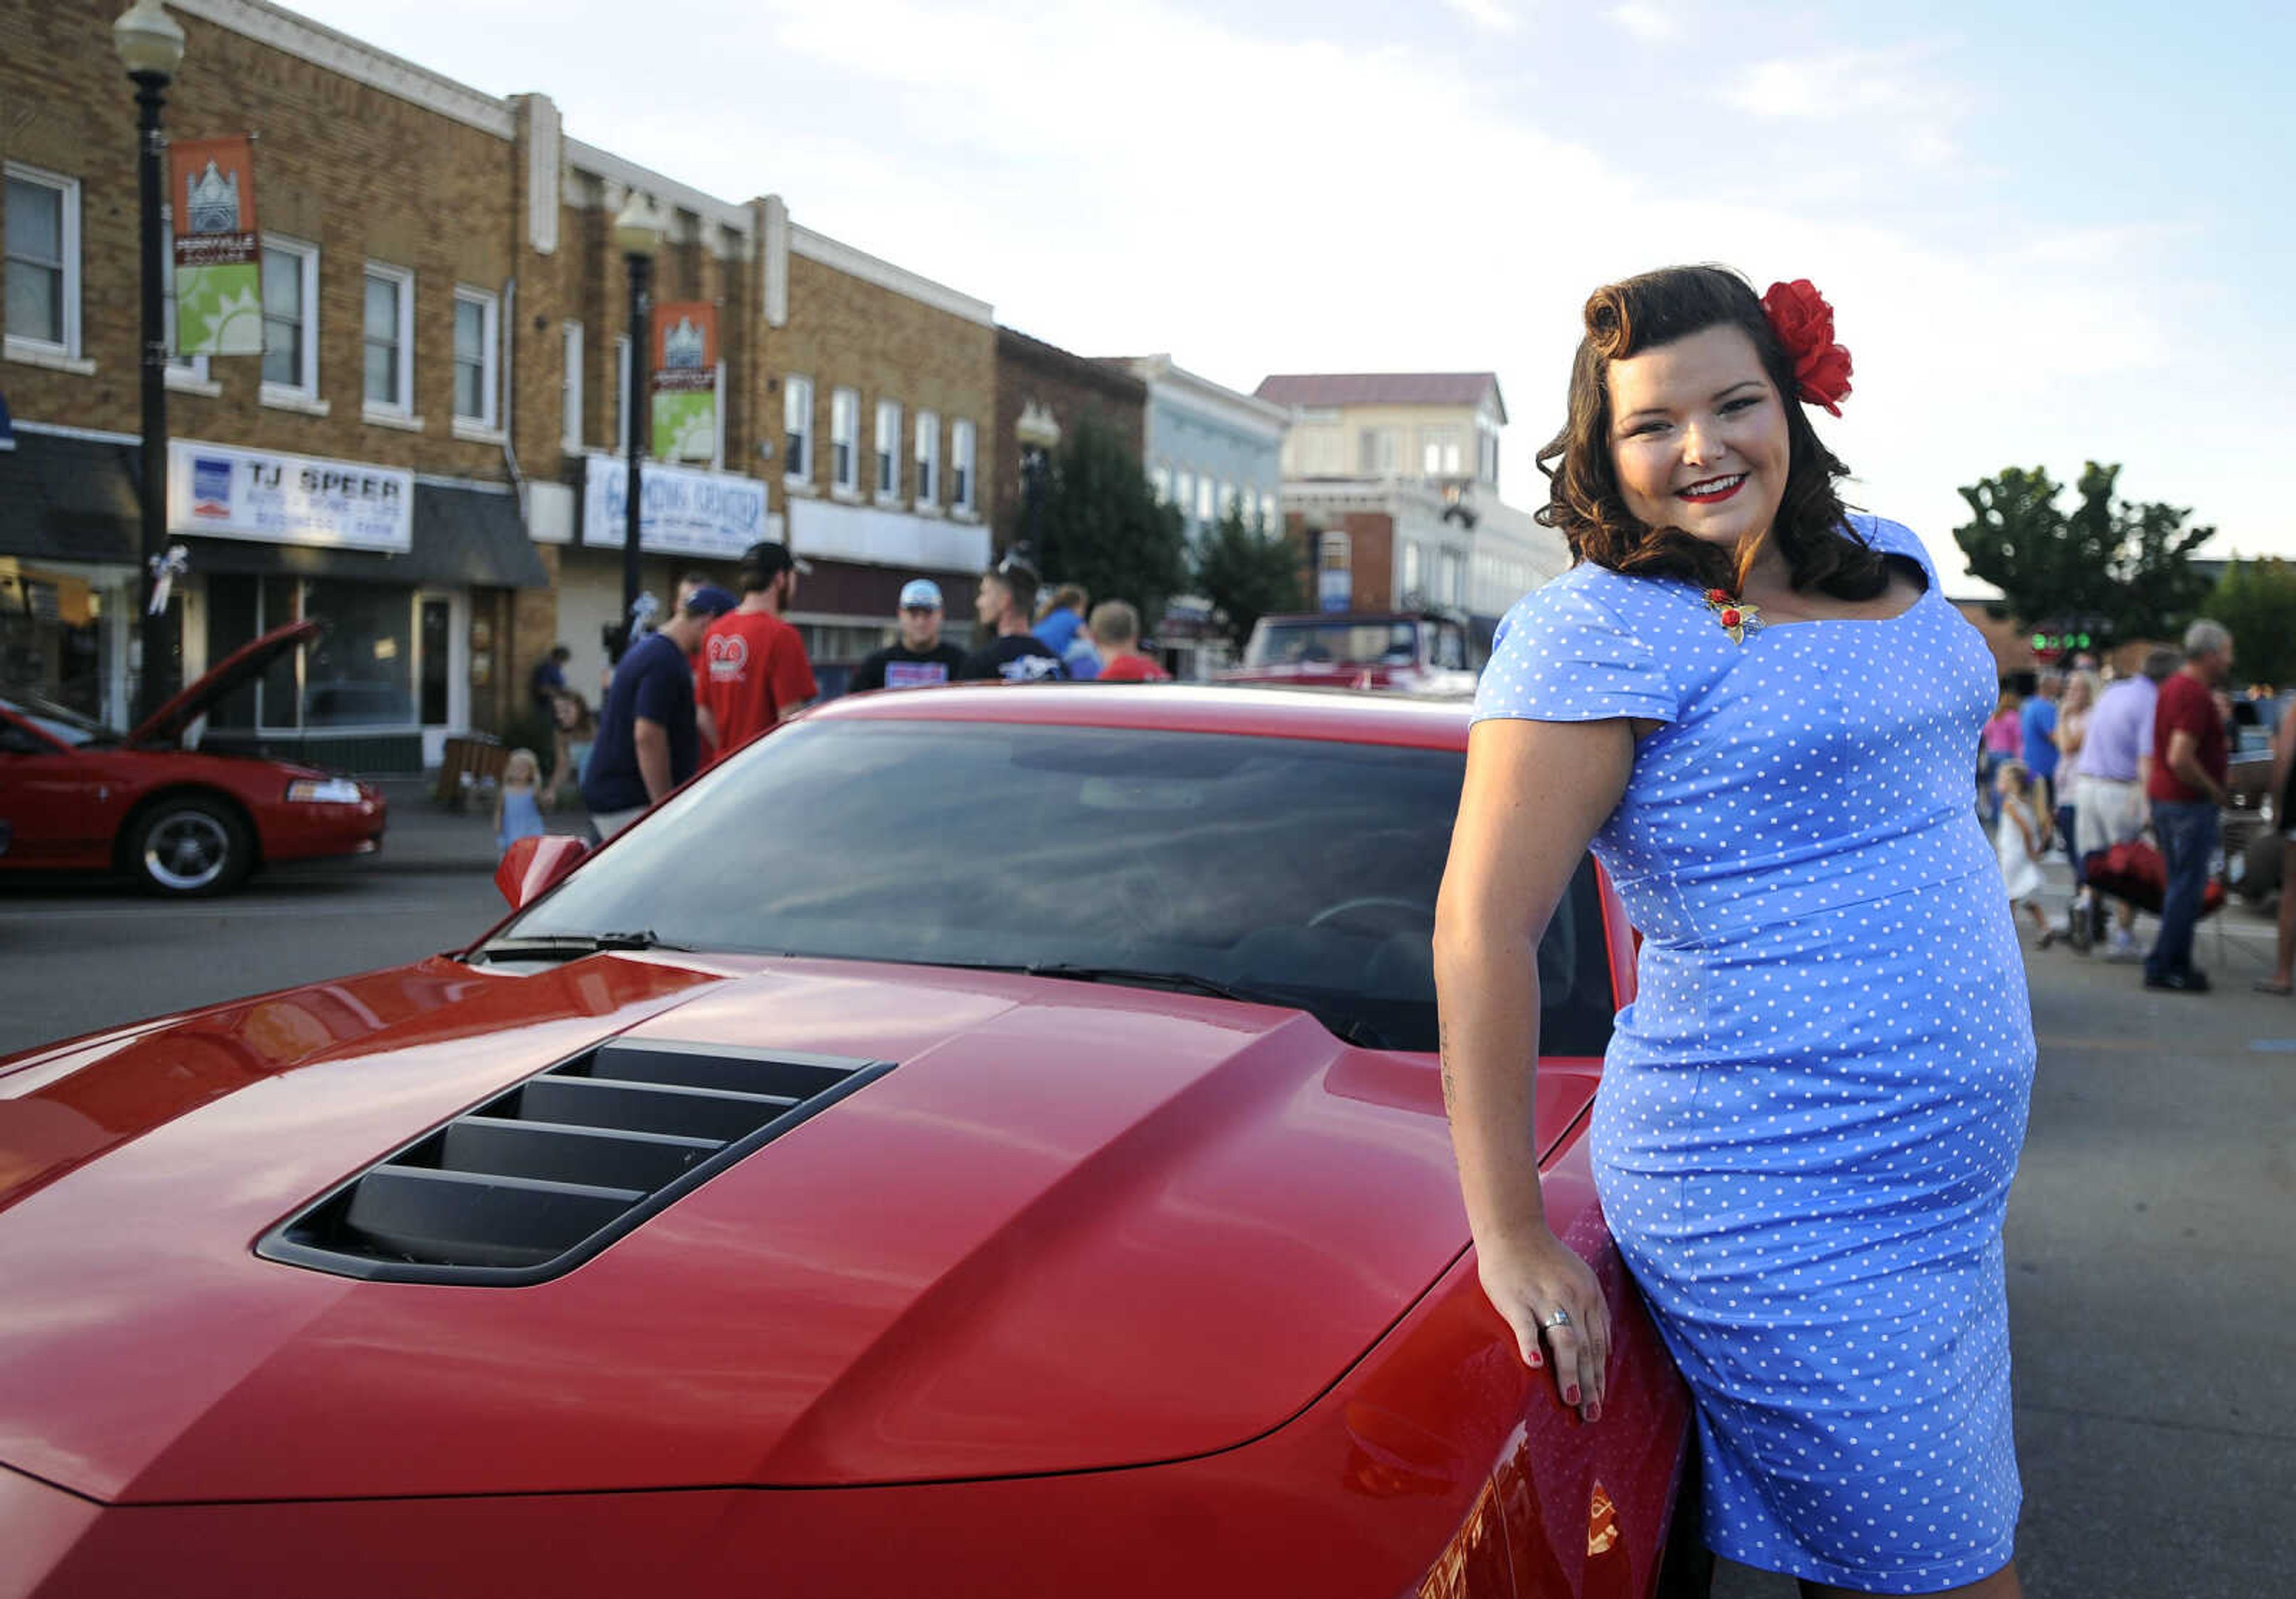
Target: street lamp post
150, 46
637, 235
1038, 433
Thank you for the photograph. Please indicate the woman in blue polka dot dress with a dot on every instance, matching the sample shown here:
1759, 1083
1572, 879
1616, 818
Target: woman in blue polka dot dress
1760, 712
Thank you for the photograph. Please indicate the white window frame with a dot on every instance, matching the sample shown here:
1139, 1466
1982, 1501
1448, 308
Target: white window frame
845, 441
186, 374
796, 422
303, 394
885, 442
23, 347
1439, 455
1378, 452
569, 387
403, 279
927, 482
1184, 495
486, 425
963, 468
1206, 495
1227, 501
1160, 484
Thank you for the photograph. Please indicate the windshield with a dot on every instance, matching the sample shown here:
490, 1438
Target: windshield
1298, 871
1334, 643
65, 725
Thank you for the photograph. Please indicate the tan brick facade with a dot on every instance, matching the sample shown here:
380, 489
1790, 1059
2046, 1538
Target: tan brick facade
1070, 388
372, 159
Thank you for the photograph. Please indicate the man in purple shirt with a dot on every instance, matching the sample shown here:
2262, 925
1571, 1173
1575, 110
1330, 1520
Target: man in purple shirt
2111, 808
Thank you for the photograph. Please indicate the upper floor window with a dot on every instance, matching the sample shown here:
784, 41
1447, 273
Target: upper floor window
963, 487
1204, 496
1486, 453
887, 439
290, 317
43, 260
1377, 452
1160, 483
569, 387
844, 439
1438, 451
1184, 495
928, 487
477, 378
796, 428
389, 345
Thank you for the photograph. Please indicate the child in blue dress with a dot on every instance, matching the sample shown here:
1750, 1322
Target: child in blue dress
1761, 713
518, 809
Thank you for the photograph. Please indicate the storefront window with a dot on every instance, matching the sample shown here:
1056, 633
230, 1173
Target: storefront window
235, 617
360, 672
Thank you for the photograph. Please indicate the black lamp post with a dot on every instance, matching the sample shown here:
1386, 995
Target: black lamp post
1038, 434
637, 233
150, 46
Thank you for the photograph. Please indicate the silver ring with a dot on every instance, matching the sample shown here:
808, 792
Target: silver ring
1561, 1318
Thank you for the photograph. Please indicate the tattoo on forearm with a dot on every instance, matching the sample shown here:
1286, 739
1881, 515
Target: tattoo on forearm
1443, 1049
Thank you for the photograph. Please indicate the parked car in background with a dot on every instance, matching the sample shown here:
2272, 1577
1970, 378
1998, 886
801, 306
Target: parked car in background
1019, 1169
75, 794
1429, 653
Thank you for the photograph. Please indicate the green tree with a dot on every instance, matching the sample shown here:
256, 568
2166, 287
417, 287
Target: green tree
2123, 565
1099, 524
2257, 600
1246, 570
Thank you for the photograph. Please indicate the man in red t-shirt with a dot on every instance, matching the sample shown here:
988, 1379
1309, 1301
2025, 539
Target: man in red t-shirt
1115, 629
2190, 764
753, 674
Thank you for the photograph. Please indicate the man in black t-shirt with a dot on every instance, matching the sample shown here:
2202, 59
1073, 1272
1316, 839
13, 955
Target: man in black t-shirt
921, 658
1012, 654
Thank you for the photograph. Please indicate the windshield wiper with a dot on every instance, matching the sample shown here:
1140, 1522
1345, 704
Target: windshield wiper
571, 946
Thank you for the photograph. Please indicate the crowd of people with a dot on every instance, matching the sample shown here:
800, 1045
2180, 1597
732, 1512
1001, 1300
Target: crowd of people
722, 669
2129, 779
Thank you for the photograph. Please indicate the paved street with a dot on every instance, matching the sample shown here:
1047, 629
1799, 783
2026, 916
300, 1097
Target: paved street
2153, 1261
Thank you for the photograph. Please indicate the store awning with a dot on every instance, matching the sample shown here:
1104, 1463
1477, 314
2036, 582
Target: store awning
464, 538
69, 499
74, 499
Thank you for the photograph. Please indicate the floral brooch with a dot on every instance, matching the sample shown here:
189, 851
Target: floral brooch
1737, 617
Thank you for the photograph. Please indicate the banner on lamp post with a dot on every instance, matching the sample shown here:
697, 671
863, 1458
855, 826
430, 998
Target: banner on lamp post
219, 267
685, 382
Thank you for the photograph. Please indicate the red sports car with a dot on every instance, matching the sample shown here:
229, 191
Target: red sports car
976, 1143
74, 793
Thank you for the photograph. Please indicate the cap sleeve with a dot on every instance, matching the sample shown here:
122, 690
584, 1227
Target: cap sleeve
1561, 655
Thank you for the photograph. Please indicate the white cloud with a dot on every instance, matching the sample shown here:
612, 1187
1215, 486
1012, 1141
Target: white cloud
1488, 14
1647, 21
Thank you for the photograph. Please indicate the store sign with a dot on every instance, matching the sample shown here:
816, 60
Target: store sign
685, 382
1335, 590
682, 512
218, 271
217, 491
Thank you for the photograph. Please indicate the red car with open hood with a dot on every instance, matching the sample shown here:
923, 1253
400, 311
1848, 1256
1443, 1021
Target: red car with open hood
75, 794
984, 1142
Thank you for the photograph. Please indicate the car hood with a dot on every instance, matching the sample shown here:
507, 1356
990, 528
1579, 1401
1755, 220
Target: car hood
1073, 1226
166, 725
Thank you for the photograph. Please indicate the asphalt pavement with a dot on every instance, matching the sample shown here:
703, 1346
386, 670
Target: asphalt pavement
2151, 1233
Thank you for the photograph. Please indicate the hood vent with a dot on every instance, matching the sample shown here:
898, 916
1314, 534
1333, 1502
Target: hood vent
539, 1178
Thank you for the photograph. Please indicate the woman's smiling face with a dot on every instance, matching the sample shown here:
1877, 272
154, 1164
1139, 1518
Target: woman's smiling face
1698, 437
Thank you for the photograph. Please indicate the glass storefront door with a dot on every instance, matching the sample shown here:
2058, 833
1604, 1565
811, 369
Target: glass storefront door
441, 671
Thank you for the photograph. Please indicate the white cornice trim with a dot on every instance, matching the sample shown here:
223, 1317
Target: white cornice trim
1193, 391
840, 257
323, 47
56, 430
629, 174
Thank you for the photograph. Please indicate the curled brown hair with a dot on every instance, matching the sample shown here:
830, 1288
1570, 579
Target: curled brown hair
1584, 503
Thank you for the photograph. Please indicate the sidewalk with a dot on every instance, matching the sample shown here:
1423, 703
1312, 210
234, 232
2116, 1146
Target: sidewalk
423, 835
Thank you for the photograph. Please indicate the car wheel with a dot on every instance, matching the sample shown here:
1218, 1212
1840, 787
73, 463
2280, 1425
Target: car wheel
189, 846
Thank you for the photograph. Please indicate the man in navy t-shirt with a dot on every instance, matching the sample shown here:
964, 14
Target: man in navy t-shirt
647, 743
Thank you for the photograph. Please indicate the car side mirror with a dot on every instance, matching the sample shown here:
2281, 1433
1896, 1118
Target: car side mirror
531, 866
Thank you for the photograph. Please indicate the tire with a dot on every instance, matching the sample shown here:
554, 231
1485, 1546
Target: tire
188, 846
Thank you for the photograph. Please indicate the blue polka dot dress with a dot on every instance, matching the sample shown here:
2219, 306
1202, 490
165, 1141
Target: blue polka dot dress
1810, 1115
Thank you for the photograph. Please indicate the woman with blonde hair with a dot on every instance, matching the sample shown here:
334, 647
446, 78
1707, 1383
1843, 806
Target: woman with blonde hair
2081, 690
1758, 710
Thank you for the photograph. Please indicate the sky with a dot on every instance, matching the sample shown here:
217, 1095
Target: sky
2050, 234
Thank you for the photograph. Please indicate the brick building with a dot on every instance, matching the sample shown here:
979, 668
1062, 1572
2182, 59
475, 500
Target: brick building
1041, 379
446, 312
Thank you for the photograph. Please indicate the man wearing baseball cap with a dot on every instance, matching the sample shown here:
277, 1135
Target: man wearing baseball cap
920, 659
753, 674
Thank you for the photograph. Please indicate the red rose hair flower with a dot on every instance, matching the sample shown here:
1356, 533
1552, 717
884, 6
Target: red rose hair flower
1804, 324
